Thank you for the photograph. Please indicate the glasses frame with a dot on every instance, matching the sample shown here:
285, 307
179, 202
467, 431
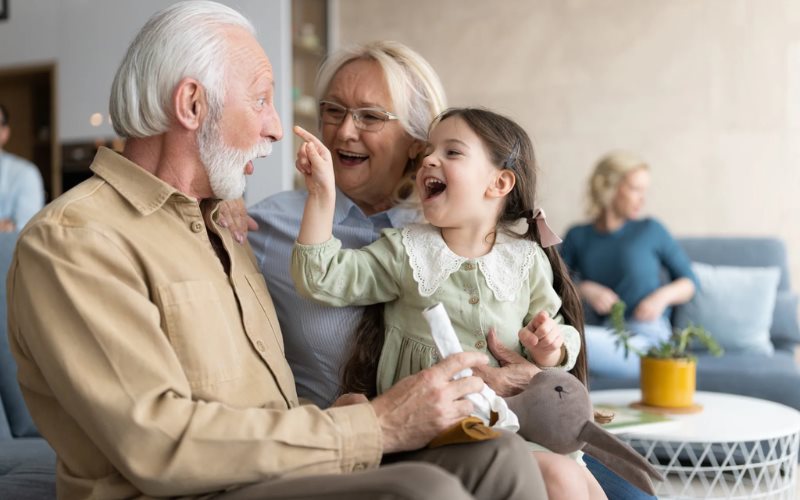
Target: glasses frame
355, 114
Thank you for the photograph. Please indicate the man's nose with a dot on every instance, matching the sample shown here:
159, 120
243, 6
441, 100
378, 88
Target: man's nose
272, 125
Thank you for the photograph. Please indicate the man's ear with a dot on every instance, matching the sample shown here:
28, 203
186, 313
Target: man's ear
504, 182
190, 103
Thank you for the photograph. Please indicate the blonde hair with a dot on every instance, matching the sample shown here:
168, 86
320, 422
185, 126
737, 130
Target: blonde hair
606, 178
414, 87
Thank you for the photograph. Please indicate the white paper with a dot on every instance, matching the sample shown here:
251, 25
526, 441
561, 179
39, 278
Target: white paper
485, 401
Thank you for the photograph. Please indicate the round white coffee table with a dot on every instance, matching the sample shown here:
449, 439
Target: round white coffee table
737, 447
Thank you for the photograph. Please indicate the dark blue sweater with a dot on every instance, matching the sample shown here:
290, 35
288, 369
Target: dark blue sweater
629, 260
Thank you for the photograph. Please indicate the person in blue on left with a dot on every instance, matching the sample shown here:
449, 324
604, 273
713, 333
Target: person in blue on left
21, 191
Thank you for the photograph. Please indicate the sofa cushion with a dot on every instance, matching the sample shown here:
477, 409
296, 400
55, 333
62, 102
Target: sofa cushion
785, 329
775, 378
756, 252
735, 304
27, 469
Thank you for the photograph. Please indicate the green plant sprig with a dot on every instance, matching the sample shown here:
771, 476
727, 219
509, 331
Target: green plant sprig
673, 348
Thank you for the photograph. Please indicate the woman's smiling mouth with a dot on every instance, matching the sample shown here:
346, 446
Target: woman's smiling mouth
349, 158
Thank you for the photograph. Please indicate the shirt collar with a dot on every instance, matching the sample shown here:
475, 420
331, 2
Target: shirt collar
505, 268
398, 216
146, 192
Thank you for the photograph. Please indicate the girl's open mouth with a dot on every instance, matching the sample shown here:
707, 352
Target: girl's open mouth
433, 187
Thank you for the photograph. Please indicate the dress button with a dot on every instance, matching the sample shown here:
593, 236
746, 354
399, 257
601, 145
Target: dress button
260, 345
196, 226
474, 300
469, 267
480, 344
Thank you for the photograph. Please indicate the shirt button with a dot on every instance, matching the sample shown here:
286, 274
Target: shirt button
474, 300
469, 267
480, 344
196, 226
260, 345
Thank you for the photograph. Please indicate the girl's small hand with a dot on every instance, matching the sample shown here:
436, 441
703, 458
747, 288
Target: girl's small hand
543, 339
314, 162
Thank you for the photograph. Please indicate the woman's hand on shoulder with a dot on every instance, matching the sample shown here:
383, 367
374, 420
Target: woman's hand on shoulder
514, 374
232, 214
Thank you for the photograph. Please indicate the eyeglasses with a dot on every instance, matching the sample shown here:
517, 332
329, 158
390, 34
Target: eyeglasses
368, 119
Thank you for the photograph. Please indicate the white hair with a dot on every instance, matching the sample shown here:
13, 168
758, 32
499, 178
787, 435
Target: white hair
183, 40
415, 89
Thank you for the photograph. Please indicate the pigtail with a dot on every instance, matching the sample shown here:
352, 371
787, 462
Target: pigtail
571, 304
360, 372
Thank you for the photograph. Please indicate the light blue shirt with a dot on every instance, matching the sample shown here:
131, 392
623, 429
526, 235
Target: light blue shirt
21, 190
316, 337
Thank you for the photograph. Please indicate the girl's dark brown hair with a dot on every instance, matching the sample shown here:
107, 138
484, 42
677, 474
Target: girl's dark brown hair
509, 148
360, 372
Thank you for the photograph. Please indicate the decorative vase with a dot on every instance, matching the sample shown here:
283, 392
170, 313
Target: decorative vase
668, 383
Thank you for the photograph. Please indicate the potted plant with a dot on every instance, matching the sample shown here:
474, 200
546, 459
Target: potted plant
668, 376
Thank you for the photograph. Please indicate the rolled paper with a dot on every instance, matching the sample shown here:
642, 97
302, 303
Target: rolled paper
486, 401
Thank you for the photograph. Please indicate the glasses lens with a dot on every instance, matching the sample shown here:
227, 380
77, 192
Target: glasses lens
369, 119
332, 114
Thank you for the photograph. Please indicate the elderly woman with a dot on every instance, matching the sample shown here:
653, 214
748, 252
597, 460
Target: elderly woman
376, 103
619, 257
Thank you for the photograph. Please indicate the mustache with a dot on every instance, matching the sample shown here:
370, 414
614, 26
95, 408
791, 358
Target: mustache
261, 150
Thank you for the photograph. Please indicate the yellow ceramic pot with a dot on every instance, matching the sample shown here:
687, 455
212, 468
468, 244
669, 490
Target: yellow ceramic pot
669, 383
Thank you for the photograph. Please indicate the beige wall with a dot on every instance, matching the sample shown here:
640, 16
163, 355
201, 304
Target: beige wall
708, 91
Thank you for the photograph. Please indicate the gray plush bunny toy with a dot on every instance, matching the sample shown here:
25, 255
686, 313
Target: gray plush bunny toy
555, 412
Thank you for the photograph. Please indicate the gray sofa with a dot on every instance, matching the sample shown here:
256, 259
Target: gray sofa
775, 377
27, 463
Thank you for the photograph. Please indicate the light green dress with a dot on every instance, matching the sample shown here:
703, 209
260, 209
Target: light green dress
412, 268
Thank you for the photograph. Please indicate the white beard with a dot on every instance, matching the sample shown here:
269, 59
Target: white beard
224, 164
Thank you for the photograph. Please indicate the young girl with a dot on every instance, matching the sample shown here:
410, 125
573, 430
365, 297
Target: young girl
481, 255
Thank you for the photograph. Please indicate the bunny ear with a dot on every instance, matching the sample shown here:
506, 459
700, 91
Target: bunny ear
619, 457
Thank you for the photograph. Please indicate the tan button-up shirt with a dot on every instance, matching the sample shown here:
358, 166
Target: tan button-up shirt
149, 368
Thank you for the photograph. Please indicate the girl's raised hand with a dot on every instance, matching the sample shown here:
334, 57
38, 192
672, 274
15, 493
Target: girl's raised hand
542, 338
314, 162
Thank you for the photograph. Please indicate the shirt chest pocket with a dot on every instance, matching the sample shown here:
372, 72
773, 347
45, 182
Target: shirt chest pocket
196, 323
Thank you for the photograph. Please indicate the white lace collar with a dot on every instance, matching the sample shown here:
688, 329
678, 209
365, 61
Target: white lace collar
505, 267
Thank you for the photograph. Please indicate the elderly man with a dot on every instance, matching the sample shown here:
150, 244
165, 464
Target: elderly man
21, 191
148, 348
